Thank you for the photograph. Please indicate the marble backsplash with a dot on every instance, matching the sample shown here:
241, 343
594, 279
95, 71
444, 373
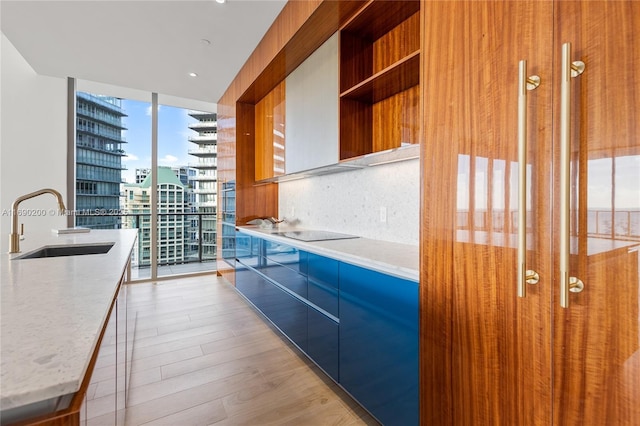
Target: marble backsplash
351, 202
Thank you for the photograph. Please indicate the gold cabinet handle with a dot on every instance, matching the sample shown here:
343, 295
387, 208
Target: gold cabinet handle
569, 70
525, 276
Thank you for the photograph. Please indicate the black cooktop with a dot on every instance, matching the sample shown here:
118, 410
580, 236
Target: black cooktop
309, 235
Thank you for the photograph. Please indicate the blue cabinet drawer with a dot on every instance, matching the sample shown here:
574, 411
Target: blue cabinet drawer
283, 310
286, 277
250, 284
323, 342
324, 283
379, 343
285, 255
288, 314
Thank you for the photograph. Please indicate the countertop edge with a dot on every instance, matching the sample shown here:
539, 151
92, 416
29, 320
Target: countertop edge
320, 248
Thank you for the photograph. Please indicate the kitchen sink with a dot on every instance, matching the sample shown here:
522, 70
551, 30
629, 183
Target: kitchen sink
67, 250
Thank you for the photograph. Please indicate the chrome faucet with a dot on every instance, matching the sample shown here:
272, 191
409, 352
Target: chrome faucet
14, 243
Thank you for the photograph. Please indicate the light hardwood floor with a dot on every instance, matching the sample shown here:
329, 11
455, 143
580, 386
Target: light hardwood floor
204, 356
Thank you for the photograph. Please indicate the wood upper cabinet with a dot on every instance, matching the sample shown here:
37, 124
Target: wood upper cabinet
358, 93
487, 355
379, 78
270, 117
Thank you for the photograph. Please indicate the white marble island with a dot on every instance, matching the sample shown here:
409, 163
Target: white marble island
53, 311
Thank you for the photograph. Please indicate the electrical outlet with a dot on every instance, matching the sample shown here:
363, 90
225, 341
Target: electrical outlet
383, 214
292, 212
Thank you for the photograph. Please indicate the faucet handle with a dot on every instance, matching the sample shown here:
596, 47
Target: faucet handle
22, 231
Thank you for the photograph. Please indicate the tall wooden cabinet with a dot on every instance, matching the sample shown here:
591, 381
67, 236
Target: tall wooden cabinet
489, 356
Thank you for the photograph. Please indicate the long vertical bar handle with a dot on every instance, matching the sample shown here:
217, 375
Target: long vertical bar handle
524, 83
568, 70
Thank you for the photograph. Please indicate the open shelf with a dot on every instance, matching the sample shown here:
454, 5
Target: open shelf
394, 79
380, 78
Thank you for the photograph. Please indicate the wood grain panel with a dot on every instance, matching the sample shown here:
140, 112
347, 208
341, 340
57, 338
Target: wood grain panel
270, 134
356, 60
396, 121
251, 201
387, 132
264, 137
597, 348
438, 163
379, 17
485, 353
356, 130
279, 128
401, 41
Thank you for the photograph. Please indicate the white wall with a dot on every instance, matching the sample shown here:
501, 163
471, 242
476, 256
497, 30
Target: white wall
33, 151
350, 202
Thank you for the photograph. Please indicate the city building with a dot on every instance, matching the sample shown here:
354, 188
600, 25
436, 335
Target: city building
141, 174
183, 173
204, 180
99, 155
173, 221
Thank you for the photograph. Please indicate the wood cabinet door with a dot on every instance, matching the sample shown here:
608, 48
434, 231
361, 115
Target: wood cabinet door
488, 356
270, 134
485, 352
596, 349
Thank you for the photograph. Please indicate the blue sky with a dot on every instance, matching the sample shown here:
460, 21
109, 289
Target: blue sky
173, 134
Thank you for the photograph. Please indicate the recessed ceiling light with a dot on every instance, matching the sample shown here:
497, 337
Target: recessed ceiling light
220, 1
193, 74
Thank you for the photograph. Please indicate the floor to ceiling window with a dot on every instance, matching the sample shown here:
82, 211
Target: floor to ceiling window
151, 167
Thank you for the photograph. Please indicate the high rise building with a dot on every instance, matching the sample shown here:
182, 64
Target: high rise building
205, 179
99, 155
173, 224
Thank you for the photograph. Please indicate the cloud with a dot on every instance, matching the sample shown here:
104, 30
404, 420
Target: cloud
167, 159
130, 157
148, 110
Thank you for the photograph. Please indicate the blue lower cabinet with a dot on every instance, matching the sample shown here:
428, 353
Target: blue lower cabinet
324, 283
323, 342
379, 343
285, 311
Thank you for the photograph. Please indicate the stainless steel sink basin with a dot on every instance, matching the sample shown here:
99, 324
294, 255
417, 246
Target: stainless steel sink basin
67, 250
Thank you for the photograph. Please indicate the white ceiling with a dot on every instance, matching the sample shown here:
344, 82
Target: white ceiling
149, 45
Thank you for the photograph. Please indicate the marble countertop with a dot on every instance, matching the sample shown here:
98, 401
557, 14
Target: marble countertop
52, 312
400, 260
